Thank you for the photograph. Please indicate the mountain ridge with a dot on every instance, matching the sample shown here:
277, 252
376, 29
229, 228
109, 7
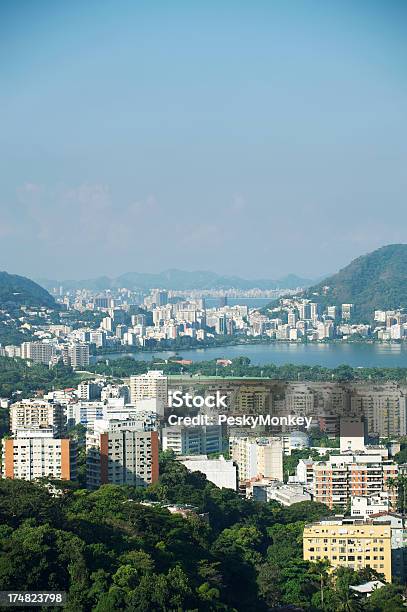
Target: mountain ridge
180, 280
374, 281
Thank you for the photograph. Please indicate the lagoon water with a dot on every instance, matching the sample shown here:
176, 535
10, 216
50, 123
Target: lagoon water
329, 355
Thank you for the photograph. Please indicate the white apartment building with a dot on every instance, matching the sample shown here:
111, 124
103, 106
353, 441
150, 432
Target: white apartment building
85, 413
44, 456
198, 440
36, 413
257, 457
147, 386
89, 390
118, 452
38, 352
221, 472
285, 494
363, 507
77, 355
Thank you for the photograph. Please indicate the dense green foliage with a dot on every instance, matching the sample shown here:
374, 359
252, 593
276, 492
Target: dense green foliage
110, 553
242, 367
18, 290
12, 333
377, 280
16, 375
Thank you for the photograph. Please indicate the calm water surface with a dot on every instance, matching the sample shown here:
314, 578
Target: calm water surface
329, 355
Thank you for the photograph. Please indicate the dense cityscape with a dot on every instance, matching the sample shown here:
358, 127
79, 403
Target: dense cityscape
203, 306
336, 450
87, 324
79, 416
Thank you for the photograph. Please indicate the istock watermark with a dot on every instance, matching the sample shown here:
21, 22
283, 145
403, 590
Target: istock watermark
177, 399
244, 420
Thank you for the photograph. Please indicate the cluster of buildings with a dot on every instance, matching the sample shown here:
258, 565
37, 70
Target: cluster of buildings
361, 482
297, 319
124, 318
123, 426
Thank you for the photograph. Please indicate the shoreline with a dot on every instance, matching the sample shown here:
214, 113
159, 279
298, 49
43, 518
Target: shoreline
177, 350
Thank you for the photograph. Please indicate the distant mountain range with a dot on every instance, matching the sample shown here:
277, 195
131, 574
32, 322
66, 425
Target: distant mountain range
20, 291
377, 280
178, 280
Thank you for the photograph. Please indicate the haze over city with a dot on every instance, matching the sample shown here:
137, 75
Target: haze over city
234, 137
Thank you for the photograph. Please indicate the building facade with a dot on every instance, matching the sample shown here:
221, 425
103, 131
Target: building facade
350, 543
119, 453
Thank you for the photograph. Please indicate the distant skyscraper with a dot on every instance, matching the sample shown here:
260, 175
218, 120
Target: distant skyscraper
159, 297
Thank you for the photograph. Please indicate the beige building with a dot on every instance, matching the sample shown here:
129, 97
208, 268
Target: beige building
253, 399
384, 407
351, 543
257, 457
36, 413
152, 385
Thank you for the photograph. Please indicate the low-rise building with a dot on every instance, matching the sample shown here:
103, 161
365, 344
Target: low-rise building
221, 472
285, 494
192, 440
363, 507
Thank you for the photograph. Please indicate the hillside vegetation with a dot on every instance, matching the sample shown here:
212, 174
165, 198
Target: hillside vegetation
108, 552
377, 280
20, 291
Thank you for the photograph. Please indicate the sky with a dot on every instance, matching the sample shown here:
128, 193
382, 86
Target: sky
249, 138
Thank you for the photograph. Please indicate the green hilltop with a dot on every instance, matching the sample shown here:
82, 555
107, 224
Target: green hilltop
20, 291
374, 281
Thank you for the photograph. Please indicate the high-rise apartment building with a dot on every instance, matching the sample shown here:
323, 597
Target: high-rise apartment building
119, 452
257, 457
384, 407
252, 399
38, 352
39, 455
346, 475
347, 311
198, 440
149, 386
36, 413
76, 355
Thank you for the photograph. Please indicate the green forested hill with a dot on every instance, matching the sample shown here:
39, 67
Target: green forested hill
21, 291
377, 280
108, 552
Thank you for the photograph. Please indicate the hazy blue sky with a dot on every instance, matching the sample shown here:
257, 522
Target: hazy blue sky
254, 138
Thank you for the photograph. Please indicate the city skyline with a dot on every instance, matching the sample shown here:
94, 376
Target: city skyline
232, 138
